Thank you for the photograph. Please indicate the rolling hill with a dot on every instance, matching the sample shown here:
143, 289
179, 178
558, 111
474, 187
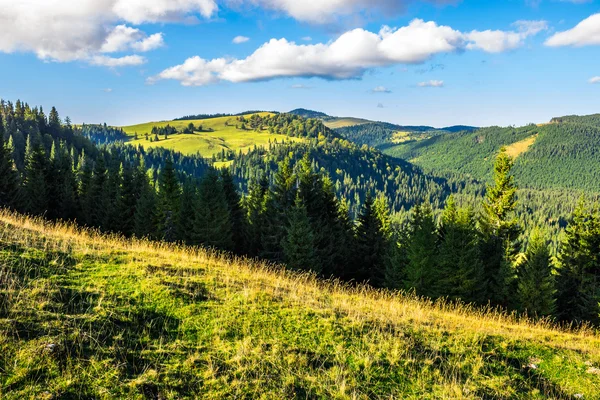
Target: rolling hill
90, 316
215, 136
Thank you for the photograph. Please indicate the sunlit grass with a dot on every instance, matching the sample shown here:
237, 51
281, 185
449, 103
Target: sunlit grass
87, 315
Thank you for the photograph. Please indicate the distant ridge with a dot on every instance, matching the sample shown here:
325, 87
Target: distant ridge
220, 115
305, 113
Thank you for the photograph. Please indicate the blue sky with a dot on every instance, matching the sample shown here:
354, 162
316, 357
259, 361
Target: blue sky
439, 62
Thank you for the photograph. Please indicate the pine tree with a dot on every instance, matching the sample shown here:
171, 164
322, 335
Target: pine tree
98, 197
67, 206
145, 219
234, 204
535, 280
84, 175
35, 185
421, 269
127, 201
299, 243
460, 269
501, 230
254, 205
370, 250
187, 209
54, 123
212, 224
578, 280
169, 192
9, 183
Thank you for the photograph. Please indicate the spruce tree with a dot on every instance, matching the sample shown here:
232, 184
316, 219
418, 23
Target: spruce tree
460, 269
127, 201
370, 245
501, 231
535, 280
212, 224
35, 185
169, 192
9, 183
187, 208
299, 244
421, 269
98, 198
145, 217
578, 280
234, 204
254, 205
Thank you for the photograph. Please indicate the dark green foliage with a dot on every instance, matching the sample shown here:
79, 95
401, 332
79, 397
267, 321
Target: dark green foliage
421, 269
212, 224
236, 212
187, 211
460, 268
370, 247
35, 187
578, 281
536, 288
299, 244
169, 192
9, 184
145, 216
501, 231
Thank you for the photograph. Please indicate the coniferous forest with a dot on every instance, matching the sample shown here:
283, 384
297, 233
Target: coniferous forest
327, 206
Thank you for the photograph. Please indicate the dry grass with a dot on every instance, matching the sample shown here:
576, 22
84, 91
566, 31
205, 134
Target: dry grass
257, 330
516, 149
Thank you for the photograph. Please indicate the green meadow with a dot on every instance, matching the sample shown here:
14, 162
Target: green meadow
217, 134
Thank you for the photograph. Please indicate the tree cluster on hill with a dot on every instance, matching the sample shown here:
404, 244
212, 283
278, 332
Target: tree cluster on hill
103, 134
294, 216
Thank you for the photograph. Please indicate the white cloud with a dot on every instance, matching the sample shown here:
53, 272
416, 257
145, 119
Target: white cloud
586, 33
113, 62
595, 80
59, 30
499, 41
431, 83
322, 11
152, 42
240, 39
348, 57
381, 89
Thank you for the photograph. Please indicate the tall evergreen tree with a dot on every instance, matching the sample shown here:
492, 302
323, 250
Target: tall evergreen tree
254, 204
9, 184
236, 213
460, 269
98, 200
212, 224
578, 281
370, 250
187, 209
127, 201
501, 230
299, 244
535, 280
421, 269
169, 192
35, 185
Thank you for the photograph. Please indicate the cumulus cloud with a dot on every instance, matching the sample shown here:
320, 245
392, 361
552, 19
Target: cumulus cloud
496, 41
240, 39
586, 33
58, 30
381, 89
595, 80
113, 62
431, 83
348, 57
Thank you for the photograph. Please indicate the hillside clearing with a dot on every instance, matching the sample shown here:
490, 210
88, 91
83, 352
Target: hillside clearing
217, 135
516, 149
84, 315
344, 122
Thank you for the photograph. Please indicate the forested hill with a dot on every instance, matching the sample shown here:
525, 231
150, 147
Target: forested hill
593, 119
303, 112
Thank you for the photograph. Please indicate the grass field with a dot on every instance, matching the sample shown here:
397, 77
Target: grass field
224, 136
89, 316
345, 122
516, 149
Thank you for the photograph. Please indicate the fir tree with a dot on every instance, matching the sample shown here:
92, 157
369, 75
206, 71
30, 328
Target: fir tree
234, 204
212, 224
299, 244
98, 198
421, 269
187, 209
370, 245
145, 219
501, 231
535, 280
9, 183
578, 281
254, 205
460, 269
169, 192
35, 186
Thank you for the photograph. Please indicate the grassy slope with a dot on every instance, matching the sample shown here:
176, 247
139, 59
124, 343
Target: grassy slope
335, 123
207, 143
83, 315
